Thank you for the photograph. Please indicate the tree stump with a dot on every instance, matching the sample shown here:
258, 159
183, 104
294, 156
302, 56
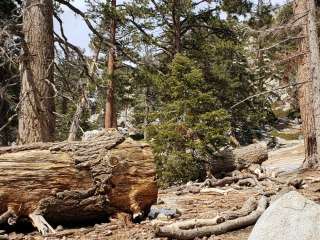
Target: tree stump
76, 181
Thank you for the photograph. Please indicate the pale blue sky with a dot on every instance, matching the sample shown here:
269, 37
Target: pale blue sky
78, 33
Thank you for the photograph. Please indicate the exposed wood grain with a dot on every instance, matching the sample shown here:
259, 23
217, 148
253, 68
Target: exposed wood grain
78, 181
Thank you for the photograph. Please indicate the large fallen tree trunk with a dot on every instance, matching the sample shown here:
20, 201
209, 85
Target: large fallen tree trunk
229, 160
76, 181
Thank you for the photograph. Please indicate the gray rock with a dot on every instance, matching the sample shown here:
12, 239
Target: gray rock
59, 228
168, 212
291, 217
193, 189
88, 135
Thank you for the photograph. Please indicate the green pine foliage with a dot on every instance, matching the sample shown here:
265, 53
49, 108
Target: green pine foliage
188, 110
187, 127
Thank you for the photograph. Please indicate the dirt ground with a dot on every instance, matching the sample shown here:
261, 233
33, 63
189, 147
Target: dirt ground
196, 205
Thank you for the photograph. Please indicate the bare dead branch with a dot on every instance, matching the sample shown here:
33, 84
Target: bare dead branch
266, 92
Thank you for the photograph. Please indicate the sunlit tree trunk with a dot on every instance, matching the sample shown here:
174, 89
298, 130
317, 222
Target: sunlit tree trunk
314, 69
308, 91
110, 111
36, 117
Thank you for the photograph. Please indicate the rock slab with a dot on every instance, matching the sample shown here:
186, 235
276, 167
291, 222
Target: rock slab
291, 217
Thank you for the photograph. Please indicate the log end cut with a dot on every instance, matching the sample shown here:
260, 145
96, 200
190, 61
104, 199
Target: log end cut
133, 181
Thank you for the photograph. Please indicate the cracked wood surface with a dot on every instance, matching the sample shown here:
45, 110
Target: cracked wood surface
78, 181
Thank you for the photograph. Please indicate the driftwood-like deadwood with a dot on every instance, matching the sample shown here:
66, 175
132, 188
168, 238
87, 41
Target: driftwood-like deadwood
240, 158
242, 179
226, 222
76, 181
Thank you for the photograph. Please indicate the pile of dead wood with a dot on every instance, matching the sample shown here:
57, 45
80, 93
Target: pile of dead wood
241, 169
71, 182
224, 222
268, 190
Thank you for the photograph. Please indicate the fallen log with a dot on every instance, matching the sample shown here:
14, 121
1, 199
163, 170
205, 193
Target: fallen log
72, 182
229, 160
191, 229
240, 179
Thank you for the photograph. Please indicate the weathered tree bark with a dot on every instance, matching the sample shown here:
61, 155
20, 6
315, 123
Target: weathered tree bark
110, 111
194, 228
36, 118
77, 118
314, 56
305, 92
241, 180
240, 158
77, 181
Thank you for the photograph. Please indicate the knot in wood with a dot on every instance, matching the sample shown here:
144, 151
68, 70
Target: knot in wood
108, 159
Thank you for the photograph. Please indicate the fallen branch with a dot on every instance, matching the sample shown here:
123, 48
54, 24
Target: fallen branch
191, 229
229, 180
217, 190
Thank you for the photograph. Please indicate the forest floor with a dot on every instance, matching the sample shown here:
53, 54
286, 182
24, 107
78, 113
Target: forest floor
197, 205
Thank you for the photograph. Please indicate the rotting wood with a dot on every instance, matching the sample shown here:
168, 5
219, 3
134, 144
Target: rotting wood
70, 182
230, 180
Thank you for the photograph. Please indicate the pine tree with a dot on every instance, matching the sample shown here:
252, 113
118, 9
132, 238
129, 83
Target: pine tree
110, 111
191, 115
189, 128
36, 117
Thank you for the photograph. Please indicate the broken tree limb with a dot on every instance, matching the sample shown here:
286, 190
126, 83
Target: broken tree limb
70, 182
41, 224
182, 231
230, 180
229, 160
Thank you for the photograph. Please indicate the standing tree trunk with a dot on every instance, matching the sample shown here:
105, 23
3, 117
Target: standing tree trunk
110, 112
177, 26
36, 119
305, 90
314, 70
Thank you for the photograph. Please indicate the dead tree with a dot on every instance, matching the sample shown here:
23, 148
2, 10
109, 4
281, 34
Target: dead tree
71, 182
